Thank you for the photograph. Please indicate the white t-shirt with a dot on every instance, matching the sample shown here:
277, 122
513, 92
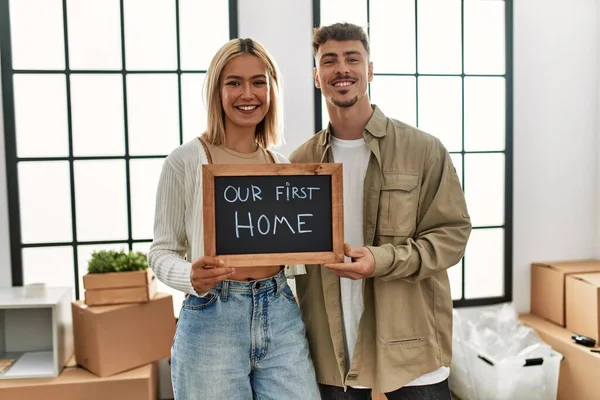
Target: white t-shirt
354, 155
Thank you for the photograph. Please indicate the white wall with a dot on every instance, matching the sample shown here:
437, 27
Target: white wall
597, 241
5, 271
285, 29
555, 135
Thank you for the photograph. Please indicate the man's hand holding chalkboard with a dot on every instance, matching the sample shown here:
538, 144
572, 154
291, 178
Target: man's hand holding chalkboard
207, 272
361, 267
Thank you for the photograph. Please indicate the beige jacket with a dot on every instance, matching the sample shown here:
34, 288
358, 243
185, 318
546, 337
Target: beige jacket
416, 225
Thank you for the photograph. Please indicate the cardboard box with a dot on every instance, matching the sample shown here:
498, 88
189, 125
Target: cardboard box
582, 302
578, 369
119, 287
76, 383
113, 339
36, 336
548, 286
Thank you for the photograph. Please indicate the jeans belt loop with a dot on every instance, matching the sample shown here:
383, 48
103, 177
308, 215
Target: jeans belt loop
224, 290
279, 282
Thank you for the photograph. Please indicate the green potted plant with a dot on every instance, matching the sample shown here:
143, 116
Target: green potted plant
118, 277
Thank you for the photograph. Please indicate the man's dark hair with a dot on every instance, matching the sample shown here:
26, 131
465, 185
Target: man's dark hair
341, 31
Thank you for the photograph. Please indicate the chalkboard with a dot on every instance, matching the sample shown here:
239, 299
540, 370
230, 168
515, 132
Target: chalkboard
273, 214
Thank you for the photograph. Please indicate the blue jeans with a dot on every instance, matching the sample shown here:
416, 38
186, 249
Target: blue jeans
244, 340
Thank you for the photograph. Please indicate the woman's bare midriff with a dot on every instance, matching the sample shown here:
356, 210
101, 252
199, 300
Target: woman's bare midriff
255, 273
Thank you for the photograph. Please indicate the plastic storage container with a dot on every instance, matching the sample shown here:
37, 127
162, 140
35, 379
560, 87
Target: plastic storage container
496, 357
512, 379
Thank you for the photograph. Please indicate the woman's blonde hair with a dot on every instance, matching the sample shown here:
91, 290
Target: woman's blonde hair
269, 132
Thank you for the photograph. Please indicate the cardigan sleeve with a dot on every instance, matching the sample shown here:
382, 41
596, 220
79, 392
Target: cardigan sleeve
166, 254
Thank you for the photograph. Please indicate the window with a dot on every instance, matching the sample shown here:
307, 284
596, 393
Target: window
94, 98
445, 67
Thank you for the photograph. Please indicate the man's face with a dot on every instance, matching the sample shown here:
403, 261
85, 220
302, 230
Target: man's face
343, 72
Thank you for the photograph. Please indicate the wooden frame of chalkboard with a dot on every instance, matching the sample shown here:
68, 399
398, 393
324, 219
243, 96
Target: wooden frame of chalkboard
312, 193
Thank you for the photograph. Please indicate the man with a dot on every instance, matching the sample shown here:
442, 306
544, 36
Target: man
383, 319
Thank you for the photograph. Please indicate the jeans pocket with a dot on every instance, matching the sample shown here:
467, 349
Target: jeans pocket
288, 294
198, 303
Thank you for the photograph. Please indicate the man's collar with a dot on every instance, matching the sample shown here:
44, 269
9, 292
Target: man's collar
375, 127
377, 123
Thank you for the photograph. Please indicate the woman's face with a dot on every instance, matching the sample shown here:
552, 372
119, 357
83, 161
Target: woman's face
245, 94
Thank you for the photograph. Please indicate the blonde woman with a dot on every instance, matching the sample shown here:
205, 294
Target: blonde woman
240, 334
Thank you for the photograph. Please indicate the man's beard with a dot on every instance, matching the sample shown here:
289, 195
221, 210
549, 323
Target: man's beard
344, 103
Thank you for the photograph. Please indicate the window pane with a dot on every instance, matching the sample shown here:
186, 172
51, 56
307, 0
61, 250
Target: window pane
439, 36
396, 97
393, 19
484, 263
484, 188
193, 109
94, 34
84, 254
45, 201
100, 199
143, 180
353, 11
458, 165
197, 22
484, 37
97, 114
178, 296
150, 37
41, 115
455, 277
485, 116
42, 47
50, 265
153, 113
440, 109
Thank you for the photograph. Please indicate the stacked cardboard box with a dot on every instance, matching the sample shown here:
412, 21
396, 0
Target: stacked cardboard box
76, 383
565, 299
549, 296
117, 348
113, 339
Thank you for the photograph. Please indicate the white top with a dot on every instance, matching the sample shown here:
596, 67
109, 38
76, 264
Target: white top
354, 155
178, 226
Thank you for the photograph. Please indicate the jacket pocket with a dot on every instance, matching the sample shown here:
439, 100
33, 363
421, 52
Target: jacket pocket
398, 203
410, 343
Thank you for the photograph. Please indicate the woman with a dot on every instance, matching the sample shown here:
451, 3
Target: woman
240, 333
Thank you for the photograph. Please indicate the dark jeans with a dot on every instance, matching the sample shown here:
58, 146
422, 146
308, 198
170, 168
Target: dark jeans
437, 391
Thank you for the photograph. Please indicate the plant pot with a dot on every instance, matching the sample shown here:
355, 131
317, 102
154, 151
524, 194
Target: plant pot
119, 287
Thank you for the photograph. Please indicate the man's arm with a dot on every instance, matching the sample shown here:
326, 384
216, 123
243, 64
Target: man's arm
443, 229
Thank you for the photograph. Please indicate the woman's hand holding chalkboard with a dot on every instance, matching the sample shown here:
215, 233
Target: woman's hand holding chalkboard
207, 272
361, 267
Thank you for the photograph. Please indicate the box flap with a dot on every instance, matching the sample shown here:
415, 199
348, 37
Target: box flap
591, 278
105, 309
71, 362
79, 375
572, 267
